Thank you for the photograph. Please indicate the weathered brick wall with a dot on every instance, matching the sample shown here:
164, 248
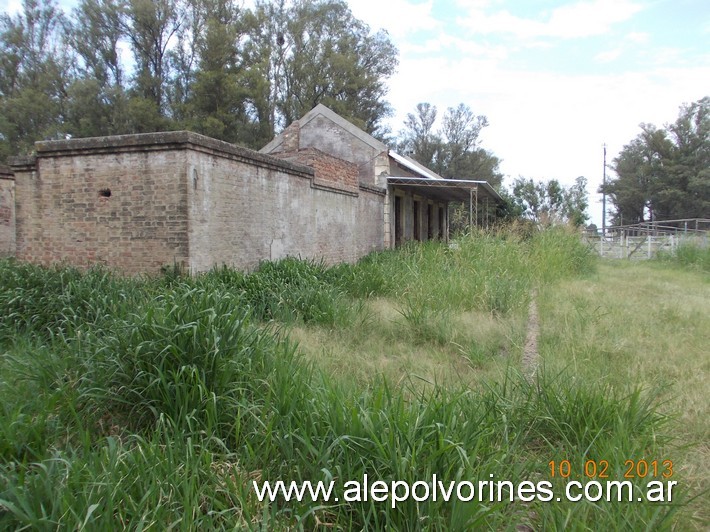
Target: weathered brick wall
183, 198
65, 214
7, 212
331, 138
291, 138
330, 172
243, 212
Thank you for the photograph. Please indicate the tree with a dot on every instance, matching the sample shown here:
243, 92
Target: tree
686, 191
151, 26
664, 174
454, 150
230, 72
97, 98
96, 31
550, 202
419, 139
34, 74
216, 99
323, 54
577, 203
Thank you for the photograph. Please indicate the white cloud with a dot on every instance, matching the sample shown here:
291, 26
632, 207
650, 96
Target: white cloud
450, 45
608, 56
12, 7
638, 37
399, 17
546, 122
581, 19
548, 125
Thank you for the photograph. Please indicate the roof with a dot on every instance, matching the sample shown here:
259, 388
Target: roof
413, 165
429, 184
322, 110
446, 189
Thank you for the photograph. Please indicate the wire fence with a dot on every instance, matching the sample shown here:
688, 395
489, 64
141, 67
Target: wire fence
645, 240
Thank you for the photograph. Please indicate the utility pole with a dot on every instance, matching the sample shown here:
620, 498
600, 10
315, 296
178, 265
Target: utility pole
604, 196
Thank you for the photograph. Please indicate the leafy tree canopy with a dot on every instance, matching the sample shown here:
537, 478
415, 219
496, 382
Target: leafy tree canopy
550, 202
214, 66
453, 151
664, 174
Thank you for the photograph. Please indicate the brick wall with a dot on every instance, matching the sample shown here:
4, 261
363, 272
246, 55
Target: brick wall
116, 201
243, 212
332, 138
291, 138
7, 212
139, 202
329, 171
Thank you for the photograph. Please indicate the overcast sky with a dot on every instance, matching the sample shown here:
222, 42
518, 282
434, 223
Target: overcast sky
556, 79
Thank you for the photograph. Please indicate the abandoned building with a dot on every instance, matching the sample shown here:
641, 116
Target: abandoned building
322, 189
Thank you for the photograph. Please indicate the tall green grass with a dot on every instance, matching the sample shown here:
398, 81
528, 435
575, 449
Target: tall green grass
154, 403
689, 256
486, 271
48, 301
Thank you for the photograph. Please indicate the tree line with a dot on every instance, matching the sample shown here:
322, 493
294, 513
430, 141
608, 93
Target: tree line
233, 73
211, 66
664, 173
454, 150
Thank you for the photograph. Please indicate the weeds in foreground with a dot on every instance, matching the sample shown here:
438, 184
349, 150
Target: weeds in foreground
689, 256
157, 402
276, 418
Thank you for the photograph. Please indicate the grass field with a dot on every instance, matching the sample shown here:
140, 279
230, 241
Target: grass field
154, 403
643, 324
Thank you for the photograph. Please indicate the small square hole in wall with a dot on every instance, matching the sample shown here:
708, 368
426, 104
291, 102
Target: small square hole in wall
105, 193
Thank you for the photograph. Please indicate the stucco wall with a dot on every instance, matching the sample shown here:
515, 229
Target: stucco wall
7, 212
323, 134
244, 212
64, 212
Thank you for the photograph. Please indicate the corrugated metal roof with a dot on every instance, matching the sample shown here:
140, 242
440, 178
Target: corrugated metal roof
413, 165
446, 189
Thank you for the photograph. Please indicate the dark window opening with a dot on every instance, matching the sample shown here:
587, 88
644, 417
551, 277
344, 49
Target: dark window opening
430, 221
105, 192
442, 222
398, 221
417, 221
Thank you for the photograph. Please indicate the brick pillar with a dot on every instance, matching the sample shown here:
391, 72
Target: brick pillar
7, 212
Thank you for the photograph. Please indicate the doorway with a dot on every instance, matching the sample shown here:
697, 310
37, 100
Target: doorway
417, 220
398, 221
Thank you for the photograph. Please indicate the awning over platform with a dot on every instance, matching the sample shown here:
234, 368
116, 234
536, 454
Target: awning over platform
448, 189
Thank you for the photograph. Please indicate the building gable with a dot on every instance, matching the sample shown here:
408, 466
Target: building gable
326, 131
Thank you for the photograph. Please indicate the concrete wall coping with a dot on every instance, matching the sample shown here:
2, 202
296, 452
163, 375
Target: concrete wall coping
145, 142
22, 163
6, 173
373, 189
